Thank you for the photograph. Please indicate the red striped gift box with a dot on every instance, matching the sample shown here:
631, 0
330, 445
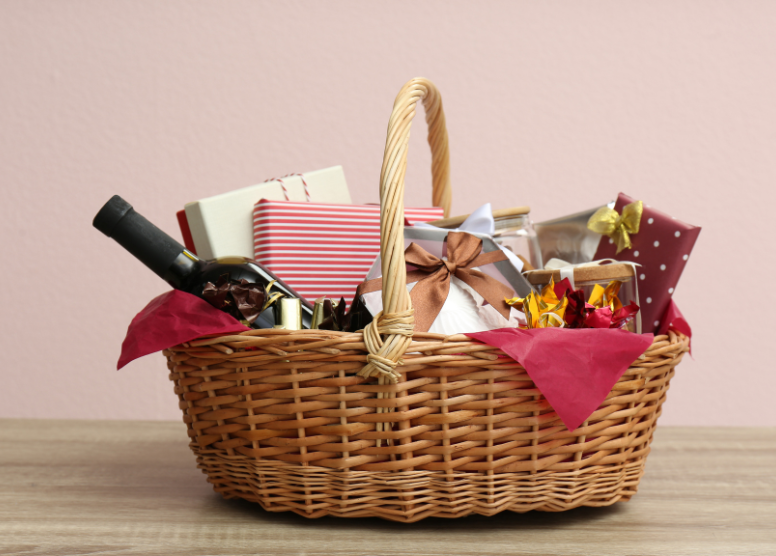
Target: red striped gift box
322, 249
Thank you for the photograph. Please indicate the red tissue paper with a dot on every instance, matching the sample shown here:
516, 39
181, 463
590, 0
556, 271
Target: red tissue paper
575, 369
173, 318
673, 319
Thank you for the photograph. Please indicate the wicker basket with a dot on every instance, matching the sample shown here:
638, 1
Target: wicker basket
297, 421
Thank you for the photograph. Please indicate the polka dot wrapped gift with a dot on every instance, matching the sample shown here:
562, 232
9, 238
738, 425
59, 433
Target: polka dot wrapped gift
662, 247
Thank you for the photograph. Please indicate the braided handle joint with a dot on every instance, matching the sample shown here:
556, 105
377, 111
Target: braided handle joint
390, 333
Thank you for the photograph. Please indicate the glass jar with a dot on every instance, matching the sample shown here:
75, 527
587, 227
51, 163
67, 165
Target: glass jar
516, 233
586, 277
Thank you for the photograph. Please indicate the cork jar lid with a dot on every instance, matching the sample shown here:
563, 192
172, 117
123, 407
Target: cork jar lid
597, 273
455, 221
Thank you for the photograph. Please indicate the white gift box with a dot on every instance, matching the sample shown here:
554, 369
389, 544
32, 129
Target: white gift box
222, 226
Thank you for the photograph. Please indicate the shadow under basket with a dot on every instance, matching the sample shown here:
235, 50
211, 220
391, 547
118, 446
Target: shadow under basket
282, 419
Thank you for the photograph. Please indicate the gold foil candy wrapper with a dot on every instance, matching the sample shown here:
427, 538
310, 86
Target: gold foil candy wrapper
606, 297
602, 310
322, 310
543, 310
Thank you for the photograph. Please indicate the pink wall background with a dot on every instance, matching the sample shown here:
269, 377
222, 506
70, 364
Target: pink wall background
559, 105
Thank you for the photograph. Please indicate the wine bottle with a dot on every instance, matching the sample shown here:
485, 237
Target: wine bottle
181, 268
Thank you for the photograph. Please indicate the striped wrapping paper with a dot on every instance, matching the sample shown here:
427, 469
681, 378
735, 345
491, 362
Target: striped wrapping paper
322, 249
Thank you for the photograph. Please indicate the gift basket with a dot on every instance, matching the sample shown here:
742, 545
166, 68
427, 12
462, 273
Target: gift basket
401, 424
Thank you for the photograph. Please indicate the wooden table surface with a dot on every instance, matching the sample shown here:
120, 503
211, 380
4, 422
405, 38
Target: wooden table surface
126, 488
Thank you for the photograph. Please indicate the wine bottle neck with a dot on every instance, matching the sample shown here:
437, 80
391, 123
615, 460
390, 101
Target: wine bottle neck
158, 251
185, 265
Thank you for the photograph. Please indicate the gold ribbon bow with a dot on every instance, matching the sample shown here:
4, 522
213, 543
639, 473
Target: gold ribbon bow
464, 252
608, 222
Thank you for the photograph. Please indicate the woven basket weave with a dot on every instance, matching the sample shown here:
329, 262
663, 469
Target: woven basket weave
405, 426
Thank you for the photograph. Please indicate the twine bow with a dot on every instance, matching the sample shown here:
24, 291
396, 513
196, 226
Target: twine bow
464, 252
608, 222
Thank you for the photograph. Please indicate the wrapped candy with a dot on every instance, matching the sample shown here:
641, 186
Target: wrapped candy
598, 284
543, 310
333, 315
329, 310
559, 305
241, 299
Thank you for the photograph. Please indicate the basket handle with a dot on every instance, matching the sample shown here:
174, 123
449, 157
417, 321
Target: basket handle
389, 334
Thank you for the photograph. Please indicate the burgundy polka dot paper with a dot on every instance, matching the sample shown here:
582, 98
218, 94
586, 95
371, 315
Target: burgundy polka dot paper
662, 248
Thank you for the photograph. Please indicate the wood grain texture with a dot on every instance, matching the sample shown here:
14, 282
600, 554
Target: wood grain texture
128, 488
